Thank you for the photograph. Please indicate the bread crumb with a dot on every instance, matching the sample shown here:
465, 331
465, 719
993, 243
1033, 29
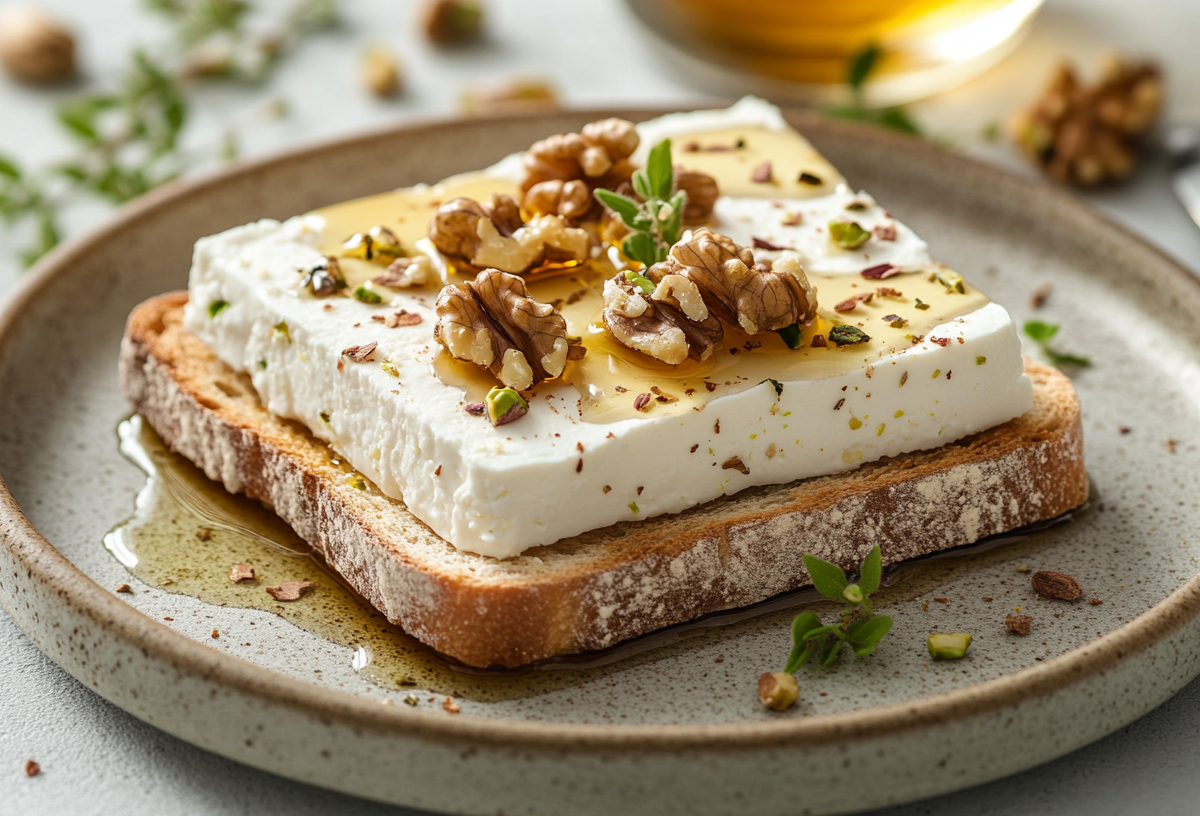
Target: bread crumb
1018, 624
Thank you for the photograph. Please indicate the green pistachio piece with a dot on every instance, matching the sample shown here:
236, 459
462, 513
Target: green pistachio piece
920, 304
367, 296
324, 278
216, 307
847, 336
281, 328
505, 405
951, 280
640, 281
376, 244
848, 234
357, 481
949, 646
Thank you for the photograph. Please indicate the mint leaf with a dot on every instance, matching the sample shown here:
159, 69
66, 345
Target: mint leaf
641, 247
862, 66
864, 635
804, 623
641, 185
798, 657
827, 578
626, 208
1039, 331
673, 226
871, 571
658, 170
1060, 359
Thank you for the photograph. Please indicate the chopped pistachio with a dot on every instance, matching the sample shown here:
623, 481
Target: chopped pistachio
376, 244
325, 416
640, 281
848, 234
777, 690
633, 508
357, 481
792, 335
981, 360
847, 336
411, 699
324, 278
948, 646
216, 307
390, 368
367, 295
281, 329
951, 280
896, 321
920, 304
262, 364
505, 405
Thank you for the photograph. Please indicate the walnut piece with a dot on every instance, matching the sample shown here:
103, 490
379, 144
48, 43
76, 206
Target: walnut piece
493, 323
1084, 134
492, 235
758, 297
598, 155
702, 194
403, 273
671, 323
570, 199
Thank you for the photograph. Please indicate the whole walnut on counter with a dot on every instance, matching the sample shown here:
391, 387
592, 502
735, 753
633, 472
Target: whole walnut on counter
1085, 135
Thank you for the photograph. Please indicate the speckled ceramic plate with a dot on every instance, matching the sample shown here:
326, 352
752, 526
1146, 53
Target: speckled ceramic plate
677, 729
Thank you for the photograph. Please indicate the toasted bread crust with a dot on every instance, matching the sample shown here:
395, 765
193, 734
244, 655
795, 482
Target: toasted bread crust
597, 589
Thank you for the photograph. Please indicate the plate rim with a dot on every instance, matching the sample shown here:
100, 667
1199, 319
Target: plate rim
46, 564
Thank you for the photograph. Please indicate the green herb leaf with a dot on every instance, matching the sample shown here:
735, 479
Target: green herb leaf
798, 657
659, 172
10, 169
641, 247
802, 624
1058, 358
672, 227
792, 336
864, 635
80, 119
1039, 331
828, 579
626, 208
641, 185
862, 65
871, 571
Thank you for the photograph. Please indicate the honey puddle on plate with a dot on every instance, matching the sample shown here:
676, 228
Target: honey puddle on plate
188, 531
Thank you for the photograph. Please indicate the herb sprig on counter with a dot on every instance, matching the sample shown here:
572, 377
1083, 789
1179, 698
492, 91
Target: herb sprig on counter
857, 625
860, 69
657, 220
1042, 333
128, 136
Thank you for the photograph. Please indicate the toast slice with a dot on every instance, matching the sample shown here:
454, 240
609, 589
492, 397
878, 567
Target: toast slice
597, 589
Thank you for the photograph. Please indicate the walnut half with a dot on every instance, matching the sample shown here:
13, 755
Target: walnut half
670, 311
494, 323
477, 236
758, 296
668, 322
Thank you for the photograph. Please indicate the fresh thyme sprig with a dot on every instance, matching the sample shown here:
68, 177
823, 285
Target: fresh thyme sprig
657, 220
862, 65
1042, 333
128, 137
857, 625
